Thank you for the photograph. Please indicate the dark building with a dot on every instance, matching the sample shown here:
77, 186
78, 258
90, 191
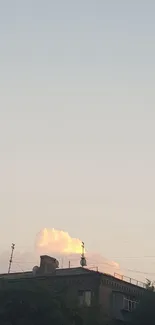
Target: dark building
104, 296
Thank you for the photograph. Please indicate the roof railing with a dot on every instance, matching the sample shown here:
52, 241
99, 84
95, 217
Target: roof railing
130, 280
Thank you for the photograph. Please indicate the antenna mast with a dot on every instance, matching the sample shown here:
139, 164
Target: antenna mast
11, 257
83, 259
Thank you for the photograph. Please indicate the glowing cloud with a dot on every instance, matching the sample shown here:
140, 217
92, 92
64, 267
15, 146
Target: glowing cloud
68, 250
57, 241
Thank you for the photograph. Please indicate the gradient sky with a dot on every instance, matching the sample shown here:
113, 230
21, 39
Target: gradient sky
77, 124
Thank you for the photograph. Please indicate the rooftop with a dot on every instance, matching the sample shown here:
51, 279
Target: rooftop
58, 272
76, 271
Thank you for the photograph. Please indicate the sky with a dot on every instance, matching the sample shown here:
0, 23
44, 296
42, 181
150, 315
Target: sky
77, 133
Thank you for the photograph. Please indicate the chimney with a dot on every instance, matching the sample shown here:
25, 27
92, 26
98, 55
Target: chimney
48, 264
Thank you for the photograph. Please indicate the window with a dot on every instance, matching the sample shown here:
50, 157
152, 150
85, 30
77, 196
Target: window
84, 298
129, 305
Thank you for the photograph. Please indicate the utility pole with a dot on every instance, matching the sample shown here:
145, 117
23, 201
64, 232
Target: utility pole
11, 257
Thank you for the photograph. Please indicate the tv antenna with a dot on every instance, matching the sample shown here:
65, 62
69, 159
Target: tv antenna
83, 259
11, 257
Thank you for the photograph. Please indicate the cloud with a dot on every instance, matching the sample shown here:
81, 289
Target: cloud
57, 241
68, 251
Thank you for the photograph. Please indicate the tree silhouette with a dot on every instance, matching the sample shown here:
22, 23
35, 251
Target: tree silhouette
32, 307
145, 313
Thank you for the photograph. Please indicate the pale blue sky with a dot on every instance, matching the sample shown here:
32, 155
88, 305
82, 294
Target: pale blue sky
77, 135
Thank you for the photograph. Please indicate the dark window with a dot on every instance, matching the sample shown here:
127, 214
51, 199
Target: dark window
84, 298
129, 305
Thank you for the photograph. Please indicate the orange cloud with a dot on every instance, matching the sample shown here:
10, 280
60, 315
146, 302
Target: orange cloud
66, 248
57, 241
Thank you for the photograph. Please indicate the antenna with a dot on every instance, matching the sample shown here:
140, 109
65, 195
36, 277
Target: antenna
83, 259
11, 257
